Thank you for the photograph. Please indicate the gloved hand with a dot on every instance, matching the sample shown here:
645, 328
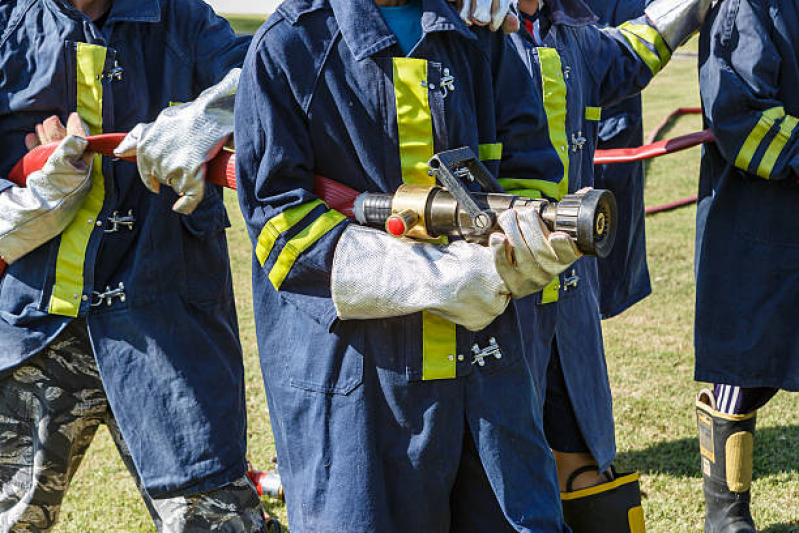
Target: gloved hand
528, 256
379, 276
32, 215
677, 20
499, 13
175, 149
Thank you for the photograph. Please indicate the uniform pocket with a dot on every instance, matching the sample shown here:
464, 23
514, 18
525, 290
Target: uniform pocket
205, 251
16, 444
320, 365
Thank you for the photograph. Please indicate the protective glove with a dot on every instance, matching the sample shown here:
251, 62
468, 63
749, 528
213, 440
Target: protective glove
499, 13
677, 20
379, 276
32, 215
175, 149
528, 256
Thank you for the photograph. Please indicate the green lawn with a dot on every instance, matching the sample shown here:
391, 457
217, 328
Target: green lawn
649, 357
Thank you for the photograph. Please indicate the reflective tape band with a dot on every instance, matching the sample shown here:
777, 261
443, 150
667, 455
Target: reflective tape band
554, 88
69, 275
649, 35
280, 224
490, 152
776, 147
767, 120
439, 348
414, 120
647, 56
304, 240
593, 113
416, 147
551, 292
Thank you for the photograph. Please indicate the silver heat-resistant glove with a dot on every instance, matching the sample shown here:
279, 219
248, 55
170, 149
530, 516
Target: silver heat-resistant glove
175, 149
497, 13
376, 275
677, 20
528, 256
32, 215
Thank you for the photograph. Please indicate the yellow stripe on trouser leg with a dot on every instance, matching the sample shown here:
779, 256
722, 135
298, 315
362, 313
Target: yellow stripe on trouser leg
554, 88
756, 136
68, 288
415, 129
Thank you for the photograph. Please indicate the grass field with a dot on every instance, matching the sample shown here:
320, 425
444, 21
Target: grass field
649, 356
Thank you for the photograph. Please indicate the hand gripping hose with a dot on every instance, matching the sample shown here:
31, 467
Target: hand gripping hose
222, 169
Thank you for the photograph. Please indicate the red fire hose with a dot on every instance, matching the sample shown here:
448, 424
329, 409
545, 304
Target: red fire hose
222, 169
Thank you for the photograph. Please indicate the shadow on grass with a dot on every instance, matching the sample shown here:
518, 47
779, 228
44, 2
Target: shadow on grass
782, 528
775, 452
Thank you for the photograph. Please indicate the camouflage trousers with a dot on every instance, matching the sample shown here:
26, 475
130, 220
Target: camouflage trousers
50, 410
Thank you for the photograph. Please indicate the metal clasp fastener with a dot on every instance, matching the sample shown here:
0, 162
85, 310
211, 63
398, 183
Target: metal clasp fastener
578, 141
115, 74
108, 296
447, 83
571, 282
116, 221
566, 71
492, 350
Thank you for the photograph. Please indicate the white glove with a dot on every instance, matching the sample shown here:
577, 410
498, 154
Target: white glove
32, 215
499, 13
528, 256
175, 149
379, 276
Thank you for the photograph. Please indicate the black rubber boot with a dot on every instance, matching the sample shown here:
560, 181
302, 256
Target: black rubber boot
612, 507
726, 443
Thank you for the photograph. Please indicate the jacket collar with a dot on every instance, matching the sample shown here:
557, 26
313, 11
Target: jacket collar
129, 10
366, 32
568, 13
136, 11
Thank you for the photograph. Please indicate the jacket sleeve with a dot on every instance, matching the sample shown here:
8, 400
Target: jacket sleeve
622, 60
534, 152
293, 232
217, 48
740, 87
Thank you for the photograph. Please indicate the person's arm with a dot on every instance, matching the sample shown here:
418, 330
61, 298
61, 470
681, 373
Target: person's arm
32, 215
740, 88
175, 149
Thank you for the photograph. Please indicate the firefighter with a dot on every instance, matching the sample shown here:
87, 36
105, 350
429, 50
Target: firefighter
115, 307
579, 68
624, 274
747, 242
396, 373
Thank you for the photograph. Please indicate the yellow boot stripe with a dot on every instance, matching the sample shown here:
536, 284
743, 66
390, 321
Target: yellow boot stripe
738, 451
69, 275
416, 146
599, 489
635, 517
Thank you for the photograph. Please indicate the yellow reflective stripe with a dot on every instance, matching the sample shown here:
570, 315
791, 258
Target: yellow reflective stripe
279, 225
651, 36
647, 56
554, 88
68, 289
304, 240
415, 129
439, 346
551, 292
414, 120
756, 136
776, 147
490, 152
593, 113
519, 187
